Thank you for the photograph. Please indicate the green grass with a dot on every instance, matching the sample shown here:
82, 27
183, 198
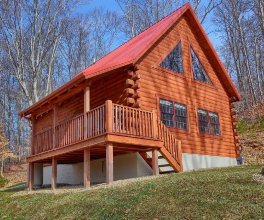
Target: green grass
227, 193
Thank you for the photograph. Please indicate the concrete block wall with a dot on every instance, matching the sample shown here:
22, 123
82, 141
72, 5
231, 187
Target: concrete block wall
198, 161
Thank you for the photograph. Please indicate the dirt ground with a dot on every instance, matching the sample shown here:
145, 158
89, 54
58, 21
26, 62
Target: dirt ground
253, 148
16, 173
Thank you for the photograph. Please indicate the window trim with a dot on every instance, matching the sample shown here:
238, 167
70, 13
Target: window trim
164, 55
198, 125
187, 114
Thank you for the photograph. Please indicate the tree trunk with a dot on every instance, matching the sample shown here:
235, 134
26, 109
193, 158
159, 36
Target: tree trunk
2, 166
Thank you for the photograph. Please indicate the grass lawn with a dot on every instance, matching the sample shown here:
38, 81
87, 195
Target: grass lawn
227, 193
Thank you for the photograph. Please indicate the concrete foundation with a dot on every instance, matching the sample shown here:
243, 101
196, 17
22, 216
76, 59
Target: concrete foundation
38, 174
126, 166
197, 161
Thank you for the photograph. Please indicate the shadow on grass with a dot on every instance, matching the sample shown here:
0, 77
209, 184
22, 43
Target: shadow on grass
14, 188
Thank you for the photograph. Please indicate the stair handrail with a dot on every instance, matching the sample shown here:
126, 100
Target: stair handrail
171, 143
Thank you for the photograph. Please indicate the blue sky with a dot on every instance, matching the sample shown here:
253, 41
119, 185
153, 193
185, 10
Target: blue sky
107, 4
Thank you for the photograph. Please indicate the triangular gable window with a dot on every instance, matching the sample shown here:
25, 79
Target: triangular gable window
198, 70
174, 60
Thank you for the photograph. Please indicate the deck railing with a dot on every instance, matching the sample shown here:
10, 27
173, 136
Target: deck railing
96, 121
124, 120
107, 118
70, 131
42, 142
172, 145
132, 121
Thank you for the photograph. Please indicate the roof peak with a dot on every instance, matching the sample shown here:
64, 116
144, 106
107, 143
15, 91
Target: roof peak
131, 49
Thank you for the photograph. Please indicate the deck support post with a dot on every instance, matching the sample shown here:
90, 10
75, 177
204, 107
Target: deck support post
109, 163
31, 176
54, 173
155, 165
87, 167
86, 108
55, 123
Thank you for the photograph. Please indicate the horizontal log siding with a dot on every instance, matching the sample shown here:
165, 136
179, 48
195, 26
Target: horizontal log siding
156, 81
71, 108
110, 88
44, 122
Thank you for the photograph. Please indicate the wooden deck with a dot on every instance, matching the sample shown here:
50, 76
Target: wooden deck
106, 131
131, 130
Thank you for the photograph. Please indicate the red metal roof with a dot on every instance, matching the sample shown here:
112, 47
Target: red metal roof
130, 50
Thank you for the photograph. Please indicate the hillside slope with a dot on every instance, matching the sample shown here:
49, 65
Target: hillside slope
227, 193
252, 144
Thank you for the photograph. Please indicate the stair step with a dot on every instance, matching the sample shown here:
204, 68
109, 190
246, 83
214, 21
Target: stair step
166, 169
165, 165
150, 154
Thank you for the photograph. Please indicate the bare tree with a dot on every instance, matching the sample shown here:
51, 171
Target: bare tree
240, 24
31, 31
139, 15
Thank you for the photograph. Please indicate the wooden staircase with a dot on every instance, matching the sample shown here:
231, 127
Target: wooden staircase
170, 155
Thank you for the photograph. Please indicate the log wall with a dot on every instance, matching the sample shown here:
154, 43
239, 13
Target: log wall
157, 82
44, 122
112, 87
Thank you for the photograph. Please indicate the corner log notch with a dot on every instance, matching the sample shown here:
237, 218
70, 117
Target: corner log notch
133, 86
235, 127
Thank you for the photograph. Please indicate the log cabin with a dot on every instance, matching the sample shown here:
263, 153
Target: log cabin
161, 102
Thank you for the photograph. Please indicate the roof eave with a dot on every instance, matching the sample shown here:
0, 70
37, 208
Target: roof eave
235, 93
187, 6
52, 95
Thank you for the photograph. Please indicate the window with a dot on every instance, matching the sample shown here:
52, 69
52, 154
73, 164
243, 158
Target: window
174, 60
198, 70
173, 114
208, 122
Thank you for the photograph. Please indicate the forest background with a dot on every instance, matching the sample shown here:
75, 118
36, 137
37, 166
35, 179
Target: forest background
44, 43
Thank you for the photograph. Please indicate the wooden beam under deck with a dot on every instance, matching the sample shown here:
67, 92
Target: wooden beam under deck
116, 138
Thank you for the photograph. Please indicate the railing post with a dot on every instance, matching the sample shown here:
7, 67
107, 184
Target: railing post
154, 124
33, 131
86, 108
55, 123
109, 116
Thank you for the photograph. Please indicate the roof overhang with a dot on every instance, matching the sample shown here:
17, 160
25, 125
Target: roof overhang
72, 84
53, 95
